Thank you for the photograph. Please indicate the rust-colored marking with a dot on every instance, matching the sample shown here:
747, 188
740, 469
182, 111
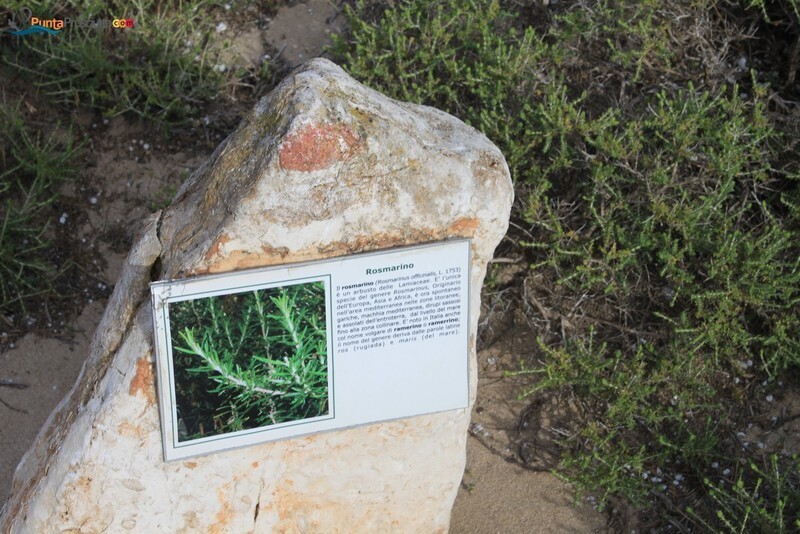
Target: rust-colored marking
143, 380
190, 465
240, 259
317, 146
225, 513
464, 226
218, 244
255, 465
128, 429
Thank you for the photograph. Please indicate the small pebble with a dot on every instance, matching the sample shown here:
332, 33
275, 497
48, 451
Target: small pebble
742, 63
221, 27
63, 218
92, 200
770, 398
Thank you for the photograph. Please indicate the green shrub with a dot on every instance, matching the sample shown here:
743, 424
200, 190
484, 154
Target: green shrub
658, 207
250, 360
163, 68
32, 167
758, 499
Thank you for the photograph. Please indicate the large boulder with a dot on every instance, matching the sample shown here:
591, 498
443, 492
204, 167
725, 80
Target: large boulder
322, 167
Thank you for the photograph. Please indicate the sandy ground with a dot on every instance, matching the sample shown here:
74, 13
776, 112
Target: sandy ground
496, 496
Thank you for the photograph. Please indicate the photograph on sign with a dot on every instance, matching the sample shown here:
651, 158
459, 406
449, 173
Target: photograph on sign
249, 360
279, 352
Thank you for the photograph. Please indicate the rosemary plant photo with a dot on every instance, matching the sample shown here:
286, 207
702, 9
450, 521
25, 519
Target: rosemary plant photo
249, 360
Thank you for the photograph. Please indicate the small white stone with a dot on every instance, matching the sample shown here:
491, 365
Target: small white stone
63, 218
221, 27
92, 200
770, 398
146, 146
742, 63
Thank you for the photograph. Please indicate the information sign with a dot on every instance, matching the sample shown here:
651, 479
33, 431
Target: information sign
278, 352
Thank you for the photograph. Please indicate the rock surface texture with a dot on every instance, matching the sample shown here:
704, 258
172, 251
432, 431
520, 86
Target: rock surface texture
322, 167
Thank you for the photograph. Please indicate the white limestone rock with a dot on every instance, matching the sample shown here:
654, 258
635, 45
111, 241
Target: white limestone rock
322, 167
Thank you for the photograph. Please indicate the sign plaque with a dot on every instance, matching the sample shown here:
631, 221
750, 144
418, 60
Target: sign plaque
284, 351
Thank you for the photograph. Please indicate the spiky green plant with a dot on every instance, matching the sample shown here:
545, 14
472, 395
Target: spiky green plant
250, 360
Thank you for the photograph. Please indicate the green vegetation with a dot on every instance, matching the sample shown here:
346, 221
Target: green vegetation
659, 213
164, 68
765, 505
250, 360
32, 167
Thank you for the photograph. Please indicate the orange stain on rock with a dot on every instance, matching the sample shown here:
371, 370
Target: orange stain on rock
268, 255
464, 226
317, 146
143, 380
130, 430
214, 250
225, 513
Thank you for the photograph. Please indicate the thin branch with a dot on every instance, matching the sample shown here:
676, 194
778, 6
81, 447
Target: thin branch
224, 373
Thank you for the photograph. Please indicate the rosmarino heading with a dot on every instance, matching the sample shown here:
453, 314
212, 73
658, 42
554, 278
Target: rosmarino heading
399, 267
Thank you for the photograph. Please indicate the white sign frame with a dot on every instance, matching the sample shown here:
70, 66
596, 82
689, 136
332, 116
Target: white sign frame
390, 353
